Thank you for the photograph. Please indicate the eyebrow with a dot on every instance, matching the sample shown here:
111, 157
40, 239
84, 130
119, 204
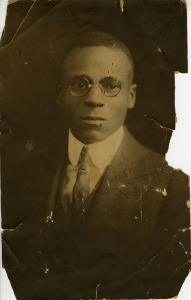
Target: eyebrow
80, 76
89, 78
110, 77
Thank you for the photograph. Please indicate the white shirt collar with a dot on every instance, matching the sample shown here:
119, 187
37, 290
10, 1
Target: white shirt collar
101, 152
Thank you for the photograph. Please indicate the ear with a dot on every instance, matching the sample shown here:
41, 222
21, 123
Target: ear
132, 95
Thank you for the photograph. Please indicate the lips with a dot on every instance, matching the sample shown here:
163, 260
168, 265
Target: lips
93, 118
94, 121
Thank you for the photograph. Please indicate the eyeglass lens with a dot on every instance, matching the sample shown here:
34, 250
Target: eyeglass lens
80, 86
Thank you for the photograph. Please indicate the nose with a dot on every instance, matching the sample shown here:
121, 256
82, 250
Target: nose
95, 98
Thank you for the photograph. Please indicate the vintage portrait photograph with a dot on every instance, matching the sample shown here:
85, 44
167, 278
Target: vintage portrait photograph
90, 207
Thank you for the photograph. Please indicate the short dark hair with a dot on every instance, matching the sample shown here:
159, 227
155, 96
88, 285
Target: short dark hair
99, 38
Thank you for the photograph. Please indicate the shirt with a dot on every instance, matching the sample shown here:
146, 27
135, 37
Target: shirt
101, 154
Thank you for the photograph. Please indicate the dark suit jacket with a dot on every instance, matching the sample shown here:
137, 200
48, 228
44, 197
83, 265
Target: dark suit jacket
133, 243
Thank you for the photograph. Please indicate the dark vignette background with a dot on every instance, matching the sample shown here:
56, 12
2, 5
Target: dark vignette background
35, 36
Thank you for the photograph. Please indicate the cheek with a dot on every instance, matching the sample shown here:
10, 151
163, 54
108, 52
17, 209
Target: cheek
72, 111
70, 104
119, 108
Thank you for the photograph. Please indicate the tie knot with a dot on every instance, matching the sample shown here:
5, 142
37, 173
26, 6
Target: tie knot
84, 158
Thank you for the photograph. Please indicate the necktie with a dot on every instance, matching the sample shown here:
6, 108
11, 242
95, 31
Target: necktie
82, 184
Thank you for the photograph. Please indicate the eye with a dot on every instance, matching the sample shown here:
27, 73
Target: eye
79, 84
110, 83
110, 86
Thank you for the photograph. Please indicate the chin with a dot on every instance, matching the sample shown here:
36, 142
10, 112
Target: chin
91, 136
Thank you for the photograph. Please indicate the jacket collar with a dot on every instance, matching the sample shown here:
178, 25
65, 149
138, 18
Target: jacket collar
133, 159
118, 197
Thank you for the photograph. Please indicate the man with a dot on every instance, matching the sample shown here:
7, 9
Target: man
95, 96
106, 217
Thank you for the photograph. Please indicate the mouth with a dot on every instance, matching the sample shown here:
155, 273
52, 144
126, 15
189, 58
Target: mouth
94, 120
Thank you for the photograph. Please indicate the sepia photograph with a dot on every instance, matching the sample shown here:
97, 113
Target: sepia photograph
90, 206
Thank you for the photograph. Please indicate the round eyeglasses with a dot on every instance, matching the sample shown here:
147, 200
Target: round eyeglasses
80, 86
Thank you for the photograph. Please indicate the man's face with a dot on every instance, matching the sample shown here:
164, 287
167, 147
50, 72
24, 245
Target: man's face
97, 91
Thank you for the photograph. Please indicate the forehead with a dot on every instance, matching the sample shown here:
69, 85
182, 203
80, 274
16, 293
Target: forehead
97, 62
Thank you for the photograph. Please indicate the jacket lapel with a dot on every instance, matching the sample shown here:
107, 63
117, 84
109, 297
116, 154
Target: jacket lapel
120, 197
121, 201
